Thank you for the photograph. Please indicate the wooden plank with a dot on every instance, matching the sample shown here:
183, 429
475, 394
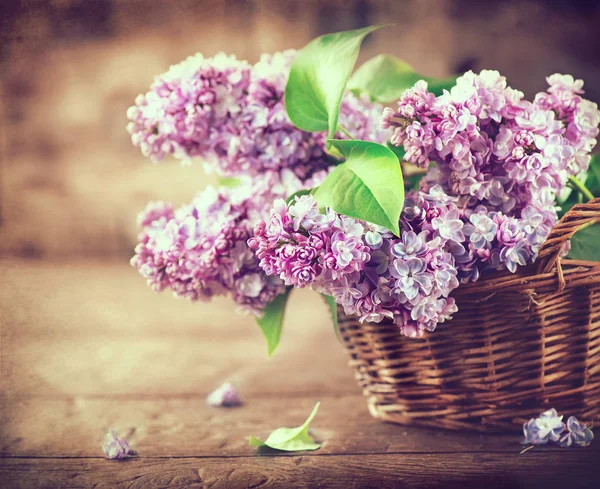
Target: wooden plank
575, 469
93, 327
187, 427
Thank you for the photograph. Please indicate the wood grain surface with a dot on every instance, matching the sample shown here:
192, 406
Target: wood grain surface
85, 346
339, 472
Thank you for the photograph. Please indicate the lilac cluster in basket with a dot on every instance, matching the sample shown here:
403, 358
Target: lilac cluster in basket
231, 114
368, 270
486, 203
503, 157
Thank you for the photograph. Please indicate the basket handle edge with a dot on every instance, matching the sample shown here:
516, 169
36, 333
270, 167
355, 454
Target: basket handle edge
577, 217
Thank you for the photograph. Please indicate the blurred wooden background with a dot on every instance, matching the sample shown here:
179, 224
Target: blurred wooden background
70, 181
85, 345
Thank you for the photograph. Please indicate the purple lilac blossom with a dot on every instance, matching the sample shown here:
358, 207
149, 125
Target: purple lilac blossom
191, 108
224, 396
116, 448
578, 434
547, 427
502, 157
232, 115
200, 250
370, 272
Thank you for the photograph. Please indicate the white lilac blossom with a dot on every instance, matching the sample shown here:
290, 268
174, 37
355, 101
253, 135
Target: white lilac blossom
504, 158
116, 448
232, 115
578, 434
371, 273
224, 396
200, 250
547, 427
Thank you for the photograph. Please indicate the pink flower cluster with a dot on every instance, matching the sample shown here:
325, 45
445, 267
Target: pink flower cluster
502, 157
371, 273
200, 250
487, 203
232, 115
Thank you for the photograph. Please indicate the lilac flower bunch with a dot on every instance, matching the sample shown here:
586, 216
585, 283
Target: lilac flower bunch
190, 108
549, 427
367, 270
232, 115
579, 116
488, 239
504, 158
200, 250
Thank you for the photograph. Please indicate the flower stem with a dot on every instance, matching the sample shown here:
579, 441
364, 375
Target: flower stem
340, 128
581, 188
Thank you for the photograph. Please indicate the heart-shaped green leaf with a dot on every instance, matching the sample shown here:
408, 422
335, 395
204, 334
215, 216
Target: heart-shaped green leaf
367, 186
290, 439
271, 321
384, 78
585, 244
318, 79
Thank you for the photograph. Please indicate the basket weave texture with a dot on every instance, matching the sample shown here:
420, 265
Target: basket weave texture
520, 344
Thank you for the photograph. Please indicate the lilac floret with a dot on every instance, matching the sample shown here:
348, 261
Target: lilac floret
578, 434
547, 427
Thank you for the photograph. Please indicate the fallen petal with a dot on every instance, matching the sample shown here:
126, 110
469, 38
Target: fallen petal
224, 396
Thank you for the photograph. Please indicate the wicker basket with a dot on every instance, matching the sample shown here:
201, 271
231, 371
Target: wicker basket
520, 343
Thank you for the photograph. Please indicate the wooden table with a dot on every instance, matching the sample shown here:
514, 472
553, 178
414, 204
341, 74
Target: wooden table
86, 346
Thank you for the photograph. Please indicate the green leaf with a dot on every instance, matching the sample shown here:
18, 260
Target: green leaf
585, 244
593, 180
271, 321
229, 182
318, 79
414, 181
397, 150
384, 78
334, 312
299, 193
367, 186
438, 85
592, 183
290, 439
